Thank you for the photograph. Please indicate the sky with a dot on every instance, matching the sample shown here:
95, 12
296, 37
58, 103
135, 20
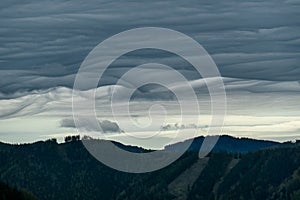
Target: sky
255, 44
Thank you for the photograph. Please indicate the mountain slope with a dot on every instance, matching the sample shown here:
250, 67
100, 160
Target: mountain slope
7, 192
67, 171
182, 184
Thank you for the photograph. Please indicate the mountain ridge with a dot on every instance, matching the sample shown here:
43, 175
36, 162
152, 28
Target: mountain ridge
62, 171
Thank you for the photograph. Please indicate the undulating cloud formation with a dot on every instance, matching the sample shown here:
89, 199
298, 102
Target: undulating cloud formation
43, 43
255, 44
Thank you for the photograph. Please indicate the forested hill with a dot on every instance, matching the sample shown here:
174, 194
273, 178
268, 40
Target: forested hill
226, 143
7, 193
67, 171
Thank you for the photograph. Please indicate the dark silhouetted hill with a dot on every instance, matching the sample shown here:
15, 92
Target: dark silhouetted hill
227, 144
237, 169
9, 193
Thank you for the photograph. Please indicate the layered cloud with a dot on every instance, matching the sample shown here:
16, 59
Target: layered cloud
44, 42
241, 95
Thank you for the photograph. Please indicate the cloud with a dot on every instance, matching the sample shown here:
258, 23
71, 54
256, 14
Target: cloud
241, 94
106, 126
176, 126
67, 123
45, 42
255, 45
110, 127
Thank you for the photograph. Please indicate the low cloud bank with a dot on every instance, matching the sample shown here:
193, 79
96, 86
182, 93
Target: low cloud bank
106, 125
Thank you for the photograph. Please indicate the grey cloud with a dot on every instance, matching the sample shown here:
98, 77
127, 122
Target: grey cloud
58, 101
67, 123
45, 42
110, 127
106, 125
176, 126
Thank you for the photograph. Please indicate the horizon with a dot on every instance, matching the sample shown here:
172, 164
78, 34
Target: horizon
132, 145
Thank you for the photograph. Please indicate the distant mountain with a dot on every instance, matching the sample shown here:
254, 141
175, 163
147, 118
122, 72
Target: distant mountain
227, 144
67, 171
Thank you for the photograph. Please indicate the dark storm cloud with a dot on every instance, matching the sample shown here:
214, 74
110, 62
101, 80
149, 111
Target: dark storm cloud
42, 43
